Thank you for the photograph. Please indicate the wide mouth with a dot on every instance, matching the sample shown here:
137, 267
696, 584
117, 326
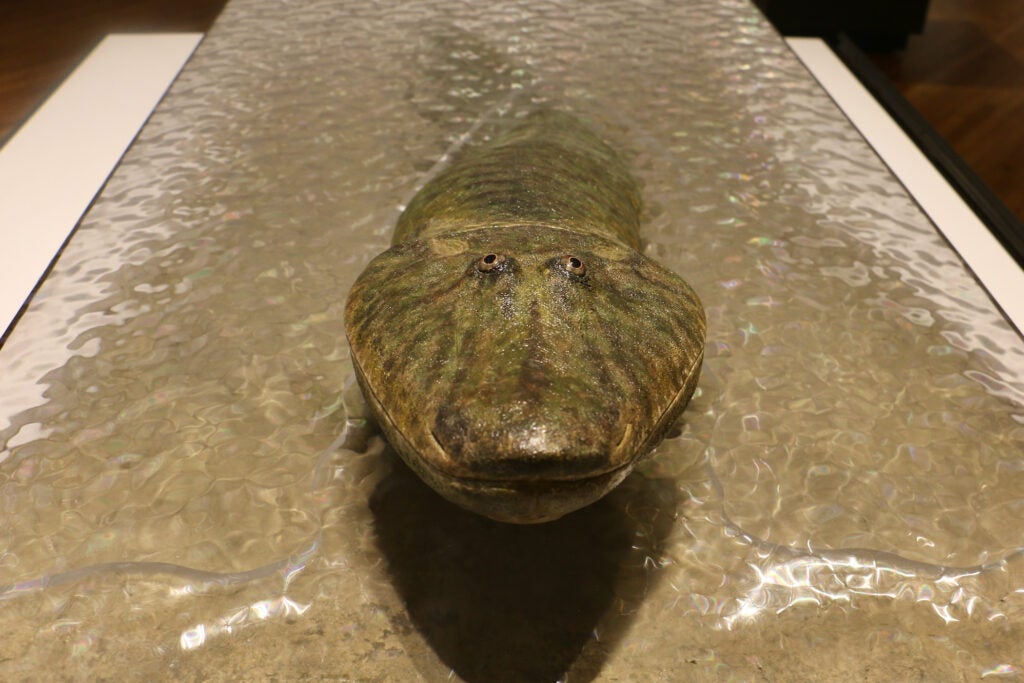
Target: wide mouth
520, 501
522, 481
537, 460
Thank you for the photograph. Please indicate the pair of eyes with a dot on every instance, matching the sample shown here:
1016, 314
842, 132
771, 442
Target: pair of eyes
493, 262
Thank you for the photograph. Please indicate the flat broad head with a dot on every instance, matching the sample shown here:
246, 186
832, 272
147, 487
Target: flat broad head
522, 371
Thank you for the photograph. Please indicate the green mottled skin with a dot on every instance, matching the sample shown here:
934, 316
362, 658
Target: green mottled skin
526, 388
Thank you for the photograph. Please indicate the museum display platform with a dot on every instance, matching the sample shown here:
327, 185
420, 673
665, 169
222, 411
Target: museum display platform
190, 484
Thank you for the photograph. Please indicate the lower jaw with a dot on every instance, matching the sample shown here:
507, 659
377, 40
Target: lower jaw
521, 502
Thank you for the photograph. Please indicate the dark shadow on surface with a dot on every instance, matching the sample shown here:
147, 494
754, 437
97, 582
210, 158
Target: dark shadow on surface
504, 602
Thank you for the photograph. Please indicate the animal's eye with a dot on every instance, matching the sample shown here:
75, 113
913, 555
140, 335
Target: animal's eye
491, 262
574, 266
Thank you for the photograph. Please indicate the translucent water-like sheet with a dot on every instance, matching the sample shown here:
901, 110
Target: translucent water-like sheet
189, 483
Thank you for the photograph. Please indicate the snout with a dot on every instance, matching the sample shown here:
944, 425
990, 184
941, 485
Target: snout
485, 443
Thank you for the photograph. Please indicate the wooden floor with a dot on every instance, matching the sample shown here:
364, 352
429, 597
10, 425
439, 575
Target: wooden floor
964, 73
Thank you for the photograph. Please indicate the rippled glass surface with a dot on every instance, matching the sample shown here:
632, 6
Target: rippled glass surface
190, 487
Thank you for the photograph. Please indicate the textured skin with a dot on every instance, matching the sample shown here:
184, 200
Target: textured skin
516, 348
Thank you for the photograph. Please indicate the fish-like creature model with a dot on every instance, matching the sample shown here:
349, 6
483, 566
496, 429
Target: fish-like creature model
517, 349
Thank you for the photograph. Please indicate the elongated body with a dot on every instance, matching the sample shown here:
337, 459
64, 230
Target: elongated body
517, 349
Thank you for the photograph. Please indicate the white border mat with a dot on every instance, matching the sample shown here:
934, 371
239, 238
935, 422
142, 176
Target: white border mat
54, 165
